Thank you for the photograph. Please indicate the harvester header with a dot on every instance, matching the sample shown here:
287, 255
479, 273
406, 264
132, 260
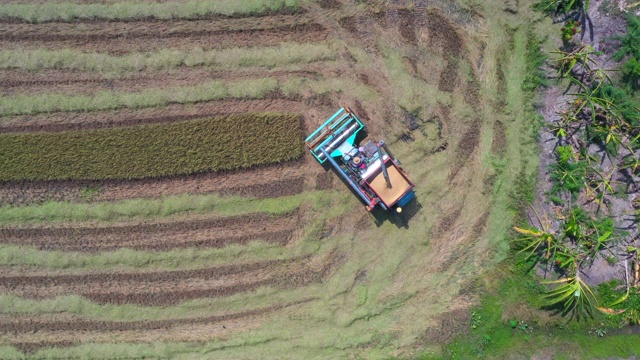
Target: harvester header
371, 171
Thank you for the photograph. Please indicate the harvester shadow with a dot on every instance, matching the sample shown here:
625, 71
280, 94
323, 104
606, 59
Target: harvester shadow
399, 220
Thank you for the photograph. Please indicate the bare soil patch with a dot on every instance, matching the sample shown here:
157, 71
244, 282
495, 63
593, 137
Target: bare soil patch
445, 224
407, 23
330, 4
450, 325
324, 180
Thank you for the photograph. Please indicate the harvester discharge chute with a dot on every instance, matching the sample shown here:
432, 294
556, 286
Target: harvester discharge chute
371, 171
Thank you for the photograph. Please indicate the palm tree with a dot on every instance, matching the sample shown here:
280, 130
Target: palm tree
575, 297
577, 61
535, 239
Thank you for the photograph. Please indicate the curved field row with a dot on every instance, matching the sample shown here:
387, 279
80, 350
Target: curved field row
157, 237
309, 33
172, 287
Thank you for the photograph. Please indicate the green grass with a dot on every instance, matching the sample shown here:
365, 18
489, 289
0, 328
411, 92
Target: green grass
77, 305
517, 300
110, 100
402, 294
134, 152
127, 259
128, 10
69, 59
138, 209
216, 90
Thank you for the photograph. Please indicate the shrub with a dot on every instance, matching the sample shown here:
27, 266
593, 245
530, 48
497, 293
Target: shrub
568, 173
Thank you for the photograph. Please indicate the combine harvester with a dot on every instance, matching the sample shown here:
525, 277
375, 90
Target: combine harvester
375, 175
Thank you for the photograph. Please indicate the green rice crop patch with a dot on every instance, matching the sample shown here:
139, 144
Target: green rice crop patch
212, 144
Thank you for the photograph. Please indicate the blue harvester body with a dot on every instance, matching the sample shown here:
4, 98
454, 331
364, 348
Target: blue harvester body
373, 174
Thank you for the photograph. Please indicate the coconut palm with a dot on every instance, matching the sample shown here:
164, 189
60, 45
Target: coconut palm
576, 62
575, 297
536, 239
600, 185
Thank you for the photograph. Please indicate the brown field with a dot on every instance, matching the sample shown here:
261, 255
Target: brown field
330, 284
